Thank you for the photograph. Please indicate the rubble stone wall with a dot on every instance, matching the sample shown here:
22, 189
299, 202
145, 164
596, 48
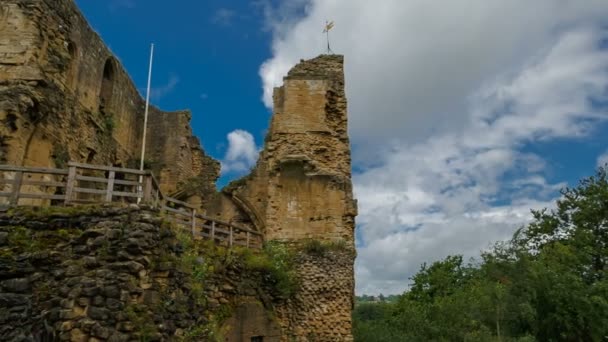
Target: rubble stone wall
121, 274
321, 308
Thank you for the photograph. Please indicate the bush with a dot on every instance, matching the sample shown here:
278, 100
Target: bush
275, 262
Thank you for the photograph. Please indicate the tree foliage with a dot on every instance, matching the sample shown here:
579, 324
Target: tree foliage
548, 283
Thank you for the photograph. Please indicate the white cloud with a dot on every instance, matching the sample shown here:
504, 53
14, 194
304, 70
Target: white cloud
425, 56
602, 160
160, 91
446, 96
242, 152
439, 196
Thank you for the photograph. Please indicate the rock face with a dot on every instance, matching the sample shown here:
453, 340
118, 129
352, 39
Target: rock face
57, 78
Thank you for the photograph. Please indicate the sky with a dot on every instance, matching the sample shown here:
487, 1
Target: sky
463, 115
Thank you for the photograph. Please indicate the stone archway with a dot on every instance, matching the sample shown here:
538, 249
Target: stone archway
71, 77
244, 205
107, 85
251, 322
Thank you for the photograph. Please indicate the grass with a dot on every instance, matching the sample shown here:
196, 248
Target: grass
141, 319
60, 156
45, 212
322, 248
24, 240
276, 263
109, 124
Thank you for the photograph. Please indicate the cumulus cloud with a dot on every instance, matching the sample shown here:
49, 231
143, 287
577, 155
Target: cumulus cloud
602, 160
241, 154
410, 64
443, 98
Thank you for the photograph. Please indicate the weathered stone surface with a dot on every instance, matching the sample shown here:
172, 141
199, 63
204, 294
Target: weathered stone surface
250, 320
321, 309
57, 77
301, 190
17, 285
98, 297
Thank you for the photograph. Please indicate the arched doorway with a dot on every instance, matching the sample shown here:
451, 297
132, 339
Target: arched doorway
107, 85
71, 76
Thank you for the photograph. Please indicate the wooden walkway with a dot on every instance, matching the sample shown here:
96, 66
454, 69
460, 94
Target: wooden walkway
90, 184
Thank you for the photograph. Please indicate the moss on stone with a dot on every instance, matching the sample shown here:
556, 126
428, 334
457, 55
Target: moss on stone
140, 317
30, 213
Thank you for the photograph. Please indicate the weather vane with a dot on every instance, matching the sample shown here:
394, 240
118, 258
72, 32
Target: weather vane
328, 26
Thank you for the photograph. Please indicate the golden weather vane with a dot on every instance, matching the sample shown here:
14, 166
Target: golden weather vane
328, 26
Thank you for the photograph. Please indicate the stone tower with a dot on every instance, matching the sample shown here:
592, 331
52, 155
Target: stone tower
301, 186
301, 191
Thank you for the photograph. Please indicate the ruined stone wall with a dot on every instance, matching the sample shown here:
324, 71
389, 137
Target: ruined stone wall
121, 274
176, 155
301, 186
64, 96
321, 308
301, 190
51, 78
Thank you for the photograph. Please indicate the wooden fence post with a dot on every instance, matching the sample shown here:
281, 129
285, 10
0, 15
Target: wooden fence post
148, 189
157, 200
213, 231
110, 188
14, 200
70, 185
193, 222
231, 237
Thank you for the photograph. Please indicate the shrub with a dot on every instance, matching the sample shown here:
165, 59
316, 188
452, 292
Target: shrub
277, 264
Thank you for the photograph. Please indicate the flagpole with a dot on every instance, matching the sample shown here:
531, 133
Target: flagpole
328, 26
143, 139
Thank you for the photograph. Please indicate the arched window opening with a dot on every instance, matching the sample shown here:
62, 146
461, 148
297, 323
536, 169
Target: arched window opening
72, 73
107, 86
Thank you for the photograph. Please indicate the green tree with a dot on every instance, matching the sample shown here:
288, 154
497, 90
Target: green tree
554, 269
547, 284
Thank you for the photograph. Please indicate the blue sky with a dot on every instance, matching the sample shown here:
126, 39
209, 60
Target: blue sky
462, 115
207, 57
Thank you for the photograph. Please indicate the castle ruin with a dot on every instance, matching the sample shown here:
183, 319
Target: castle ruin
57, 77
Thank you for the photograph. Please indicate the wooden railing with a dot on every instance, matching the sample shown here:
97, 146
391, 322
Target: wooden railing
228, 234
83, 183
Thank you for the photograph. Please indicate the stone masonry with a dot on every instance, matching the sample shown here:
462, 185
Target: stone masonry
301, 191
122, 274
57, 78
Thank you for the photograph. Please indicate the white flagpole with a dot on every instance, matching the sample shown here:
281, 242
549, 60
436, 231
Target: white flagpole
143, 139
